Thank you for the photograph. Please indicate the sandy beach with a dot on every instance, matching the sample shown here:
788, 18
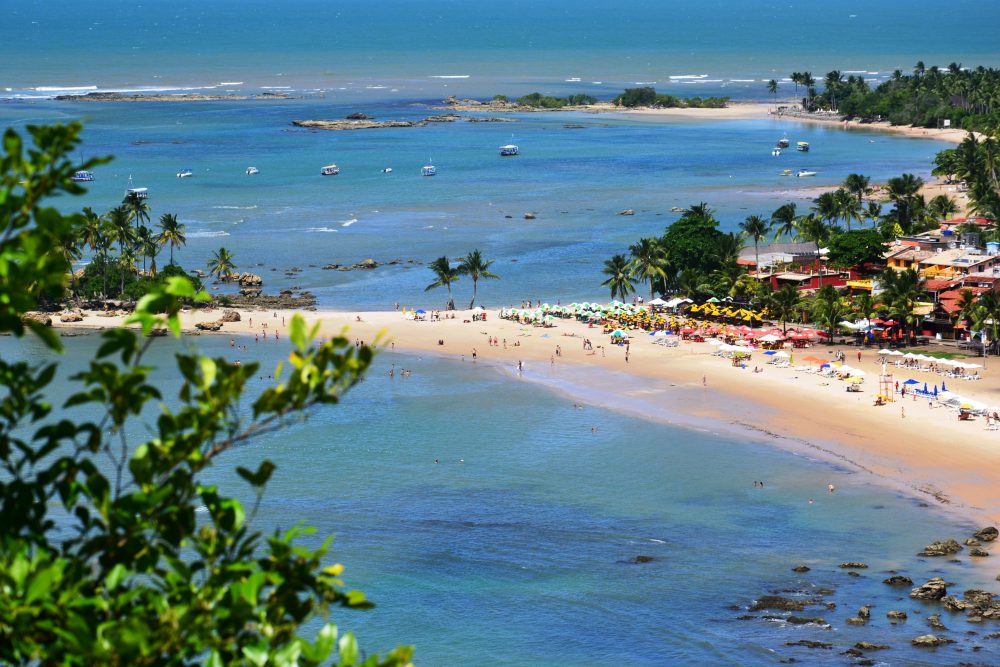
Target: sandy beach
908, 444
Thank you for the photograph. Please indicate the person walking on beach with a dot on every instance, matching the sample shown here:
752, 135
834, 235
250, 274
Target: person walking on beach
520, 366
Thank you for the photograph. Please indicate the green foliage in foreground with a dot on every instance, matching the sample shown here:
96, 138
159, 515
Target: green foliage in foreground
103, 559
100, 272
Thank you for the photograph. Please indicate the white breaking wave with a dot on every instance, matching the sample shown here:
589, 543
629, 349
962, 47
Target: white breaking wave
741, 80
206, 235
645, 83
348, 223
449, 76
237, 208
230, 83
60, 89
688, 76
275, 87
324, 230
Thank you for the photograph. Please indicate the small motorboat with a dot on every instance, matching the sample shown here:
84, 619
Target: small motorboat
251, 171
387, 170
785, 172
802, 146
783, 142
509, 150
82, 176
330, 170
185, 173
428, 170
802, 173
775, 152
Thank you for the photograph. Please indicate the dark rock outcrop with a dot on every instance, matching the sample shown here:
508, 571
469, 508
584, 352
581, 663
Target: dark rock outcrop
898, 580
976, 552
896, 615
230, 316
930, 641
250, 280
851, 565
868, 646
987, 534
41, 318
208, 326
934, 620
800, 568
938, 548
71, 316
934, 589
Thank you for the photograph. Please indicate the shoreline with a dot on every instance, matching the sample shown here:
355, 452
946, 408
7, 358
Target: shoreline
924, 452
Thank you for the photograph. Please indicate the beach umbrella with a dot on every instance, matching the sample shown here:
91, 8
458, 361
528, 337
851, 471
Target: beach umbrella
925, 387
771, 352
935, 391
943, 388
911, 381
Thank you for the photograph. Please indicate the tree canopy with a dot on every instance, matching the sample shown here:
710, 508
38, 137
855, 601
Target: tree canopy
103, 559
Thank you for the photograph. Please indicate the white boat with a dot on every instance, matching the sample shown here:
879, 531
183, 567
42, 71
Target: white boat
802, 173
775, 152
783, 142
387, 170
130, 191
785, 172
252, 171
82, 176
185, 173
508, 151
428, 170
330, 170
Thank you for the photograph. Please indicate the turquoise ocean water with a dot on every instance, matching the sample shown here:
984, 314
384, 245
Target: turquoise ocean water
519, 555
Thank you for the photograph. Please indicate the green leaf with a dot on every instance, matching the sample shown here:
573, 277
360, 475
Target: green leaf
256, 654
115, 577
208, 371
42, 583
325, 640
214, 659
259, 478
348, 649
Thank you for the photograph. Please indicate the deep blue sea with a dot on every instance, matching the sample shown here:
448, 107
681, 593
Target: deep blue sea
519, 555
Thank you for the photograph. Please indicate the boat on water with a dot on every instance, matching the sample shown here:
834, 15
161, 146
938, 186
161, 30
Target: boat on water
428, 170
252, 171
82, 176
185, 173
783, 142
508, 151
387, 170
802, 146
802, 173
785, 172
330, 170
130, 191
775, 152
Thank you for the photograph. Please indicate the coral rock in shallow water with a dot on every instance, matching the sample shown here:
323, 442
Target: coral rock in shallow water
939, 548
935, 589
931, 640
987, 534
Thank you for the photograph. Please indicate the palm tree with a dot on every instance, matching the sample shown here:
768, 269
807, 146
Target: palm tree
445, 275
783, 221
619, 272
756, 228
812, 228
649, 261
474, 266
785, 305
70, 251
137, 207
987, 316
94, 234
143, 240
829, 313
902, 191
873, 211
172, 233
221, 265
151, 247
942, 207
121, 228
772, 87
126, 264
966, 304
